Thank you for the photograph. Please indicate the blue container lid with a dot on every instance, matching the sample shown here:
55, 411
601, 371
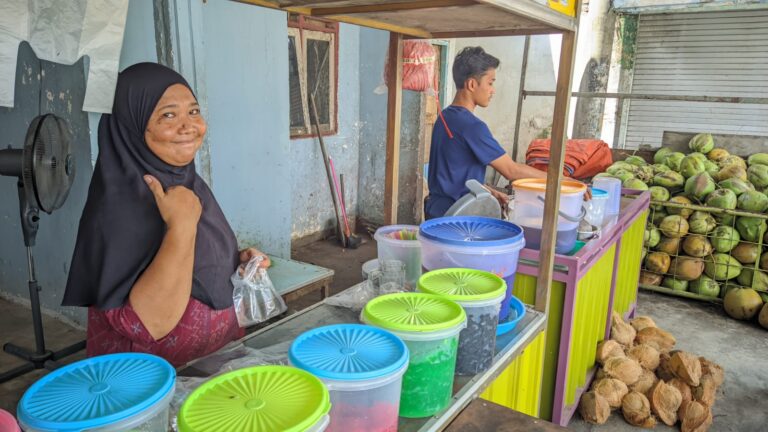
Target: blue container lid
471, 231
599, 193
96, 392
348, 352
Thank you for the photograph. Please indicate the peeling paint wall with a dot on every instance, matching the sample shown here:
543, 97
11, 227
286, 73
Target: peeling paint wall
311, 203
45, 87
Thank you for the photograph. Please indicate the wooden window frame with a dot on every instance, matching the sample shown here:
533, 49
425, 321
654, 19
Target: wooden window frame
303, 28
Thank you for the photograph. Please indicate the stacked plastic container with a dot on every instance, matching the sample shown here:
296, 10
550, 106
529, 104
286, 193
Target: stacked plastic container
473, 242
596, 207
612, 186
115, 392
480, 293
430, 326
261, 398
399, 242
363, 368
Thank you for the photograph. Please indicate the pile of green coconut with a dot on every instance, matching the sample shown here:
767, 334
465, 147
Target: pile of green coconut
702, 251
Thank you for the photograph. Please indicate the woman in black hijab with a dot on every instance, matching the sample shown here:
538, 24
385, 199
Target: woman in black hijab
154, 252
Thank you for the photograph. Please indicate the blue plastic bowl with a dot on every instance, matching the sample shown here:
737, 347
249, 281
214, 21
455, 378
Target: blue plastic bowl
516, 314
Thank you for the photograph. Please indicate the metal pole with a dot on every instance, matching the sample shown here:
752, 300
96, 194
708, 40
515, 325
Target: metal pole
660, 97
520, 98
34, 298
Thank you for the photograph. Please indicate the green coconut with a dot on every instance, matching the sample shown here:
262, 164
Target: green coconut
705, 286
752, 201
622, 175
673, 160
703, 143
711, 168
758, 175
691, 165
659, 193
674, 284
722, 267
742, 303
644, 173
699, 186
733, 160
751, 229
652, 236
731, 171
751, 279
670, 246
697, 246
659, 215
701, 222
661, 154
636, 160
718, 154
659, 168
746, 253
724, 239
669, 180
722, 199
738, 186
674, 226
635, 184
758, 159
725, 219
684, 212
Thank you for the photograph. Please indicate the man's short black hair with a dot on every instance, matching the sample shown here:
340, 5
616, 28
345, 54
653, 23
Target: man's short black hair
472, 62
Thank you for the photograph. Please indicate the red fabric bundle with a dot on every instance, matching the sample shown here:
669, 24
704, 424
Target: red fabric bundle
418, 66
584, 158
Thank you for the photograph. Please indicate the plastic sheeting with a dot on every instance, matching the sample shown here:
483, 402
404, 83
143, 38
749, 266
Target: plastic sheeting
62, 32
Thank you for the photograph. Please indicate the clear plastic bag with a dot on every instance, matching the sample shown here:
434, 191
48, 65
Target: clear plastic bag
254, 296
354, 298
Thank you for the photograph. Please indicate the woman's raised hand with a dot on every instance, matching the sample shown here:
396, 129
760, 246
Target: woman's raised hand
179, 206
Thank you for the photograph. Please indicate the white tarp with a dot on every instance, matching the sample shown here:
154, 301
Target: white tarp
62, 32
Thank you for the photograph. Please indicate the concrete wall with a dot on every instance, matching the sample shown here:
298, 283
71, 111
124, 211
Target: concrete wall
45, 87
311, 203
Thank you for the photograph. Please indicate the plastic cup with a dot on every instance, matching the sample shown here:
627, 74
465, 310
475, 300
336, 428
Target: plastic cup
613, 187
8, 422
596, 207
399, 242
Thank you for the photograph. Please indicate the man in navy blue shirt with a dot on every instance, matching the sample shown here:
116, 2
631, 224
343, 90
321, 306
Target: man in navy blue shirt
463, 146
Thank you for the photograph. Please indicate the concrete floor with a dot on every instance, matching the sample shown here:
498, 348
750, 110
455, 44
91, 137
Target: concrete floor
741, 348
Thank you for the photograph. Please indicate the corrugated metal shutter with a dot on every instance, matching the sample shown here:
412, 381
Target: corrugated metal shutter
699, 54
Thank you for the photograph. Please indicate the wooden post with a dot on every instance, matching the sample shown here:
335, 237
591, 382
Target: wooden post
555, 171
394, 104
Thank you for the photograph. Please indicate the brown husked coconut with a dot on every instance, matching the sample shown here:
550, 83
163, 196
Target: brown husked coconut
607, 349
646, 382
665, 401
642, 322
714, 369
594, 408
601, 375
706, 391
612, 390
623, 369
687, 367
664, 371
685, 392
695, 417
637, 410
656, 338
646, 355
622, 332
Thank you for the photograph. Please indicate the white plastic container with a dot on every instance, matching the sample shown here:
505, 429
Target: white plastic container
362, 367
369, 266
390, 246
529, 211
613, 187
596, 207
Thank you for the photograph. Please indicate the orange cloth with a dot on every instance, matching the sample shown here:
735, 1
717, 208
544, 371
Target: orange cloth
584, 158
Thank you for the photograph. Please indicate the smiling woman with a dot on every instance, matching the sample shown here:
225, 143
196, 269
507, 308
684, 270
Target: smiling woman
154, 252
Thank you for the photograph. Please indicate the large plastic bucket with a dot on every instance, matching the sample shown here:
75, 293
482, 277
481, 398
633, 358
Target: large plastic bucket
270, 398
430, 326
363, 368
480, 293
114, 392
399, 242
473, 242
529, 211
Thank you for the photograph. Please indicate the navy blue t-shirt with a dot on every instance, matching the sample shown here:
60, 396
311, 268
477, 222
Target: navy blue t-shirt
453, 161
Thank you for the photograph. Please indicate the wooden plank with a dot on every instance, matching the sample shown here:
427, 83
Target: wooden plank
481, 416
555, 170
388, 7
380, 25
491, 33
394, 105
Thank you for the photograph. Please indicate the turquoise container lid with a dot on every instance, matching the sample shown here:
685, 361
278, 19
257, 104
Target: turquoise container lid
96, 392
349, 352
599, 194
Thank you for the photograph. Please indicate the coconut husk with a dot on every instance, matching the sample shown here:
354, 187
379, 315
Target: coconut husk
642, 322
665, 401
612, 390
695, 417
714, 369
607, 349
622, 332
706, 391
637, 410
646, 382
657, 338
646, 355
623, 369
685, 392
664, 371
594, 408
687, 367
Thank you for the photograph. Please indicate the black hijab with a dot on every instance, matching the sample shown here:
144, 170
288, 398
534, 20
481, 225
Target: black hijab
121, 229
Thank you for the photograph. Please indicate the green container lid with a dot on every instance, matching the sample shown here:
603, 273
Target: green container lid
459, 284
261, 398
413, 312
